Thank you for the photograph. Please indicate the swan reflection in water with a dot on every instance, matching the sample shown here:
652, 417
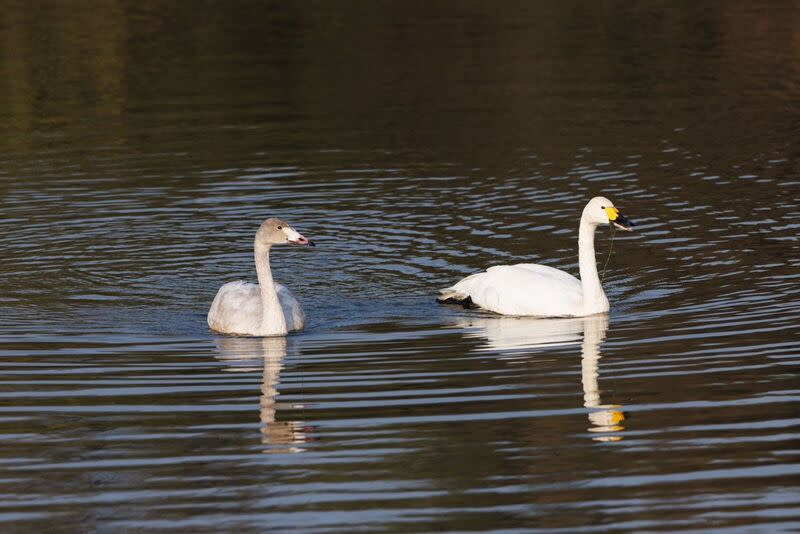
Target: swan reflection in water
252, 354
515, 334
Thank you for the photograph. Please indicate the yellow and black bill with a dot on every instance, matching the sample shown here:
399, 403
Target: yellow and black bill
619, 220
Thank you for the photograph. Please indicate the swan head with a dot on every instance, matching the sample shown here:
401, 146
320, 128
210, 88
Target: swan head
600, 210
276, 231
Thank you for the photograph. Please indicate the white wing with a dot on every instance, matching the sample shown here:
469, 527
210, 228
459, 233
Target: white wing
237, 309
544, 270
523, 289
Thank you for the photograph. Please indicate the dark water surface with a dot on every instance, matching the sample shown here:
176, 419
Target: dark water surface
142, 143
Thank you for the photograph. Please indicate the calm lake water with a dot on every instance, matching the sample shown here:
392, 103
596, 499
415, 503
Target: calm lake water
144, 142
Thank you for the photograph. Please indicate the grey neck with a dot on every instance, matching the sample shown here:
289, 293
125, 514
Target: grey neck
273, 322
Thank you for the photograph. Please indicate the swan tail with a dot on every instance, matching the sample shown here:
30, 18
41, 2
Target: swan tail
461, 293
465, 302
451, 295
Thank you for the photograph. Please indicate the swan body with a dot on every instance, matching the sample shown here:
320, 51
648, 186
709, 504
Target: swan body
522, 289
528, 289
237, 308
264, 309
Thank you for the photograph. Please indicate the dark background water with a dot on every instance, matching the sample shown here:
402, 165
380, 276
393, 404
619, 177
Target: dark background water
142, 143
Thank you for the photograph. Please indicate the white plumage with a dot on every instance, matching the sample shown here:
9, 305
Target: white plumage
522, 289
529, 289
237, 308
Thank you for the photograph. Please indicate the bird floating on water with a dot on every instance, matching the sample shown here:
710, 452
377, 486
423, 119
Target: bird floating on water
538, 290
267, 308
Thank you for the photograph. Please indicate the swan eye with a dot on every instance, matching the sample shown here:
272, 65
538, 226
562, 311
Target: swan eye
279, 227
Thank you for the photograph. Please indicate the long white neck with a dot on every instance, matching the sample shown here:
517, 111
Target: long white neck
594, 299
273, 322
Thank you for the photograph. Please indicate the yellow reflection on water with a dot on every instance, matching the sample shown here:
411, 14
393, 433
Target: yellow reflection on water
604, 419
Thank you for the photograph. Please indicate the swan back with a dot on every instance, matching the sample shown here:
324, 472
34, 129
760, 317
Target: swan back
523, 289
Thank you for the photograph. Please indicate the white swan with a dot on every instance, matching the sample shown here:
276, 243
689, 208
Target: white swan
266, 309
539, 290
